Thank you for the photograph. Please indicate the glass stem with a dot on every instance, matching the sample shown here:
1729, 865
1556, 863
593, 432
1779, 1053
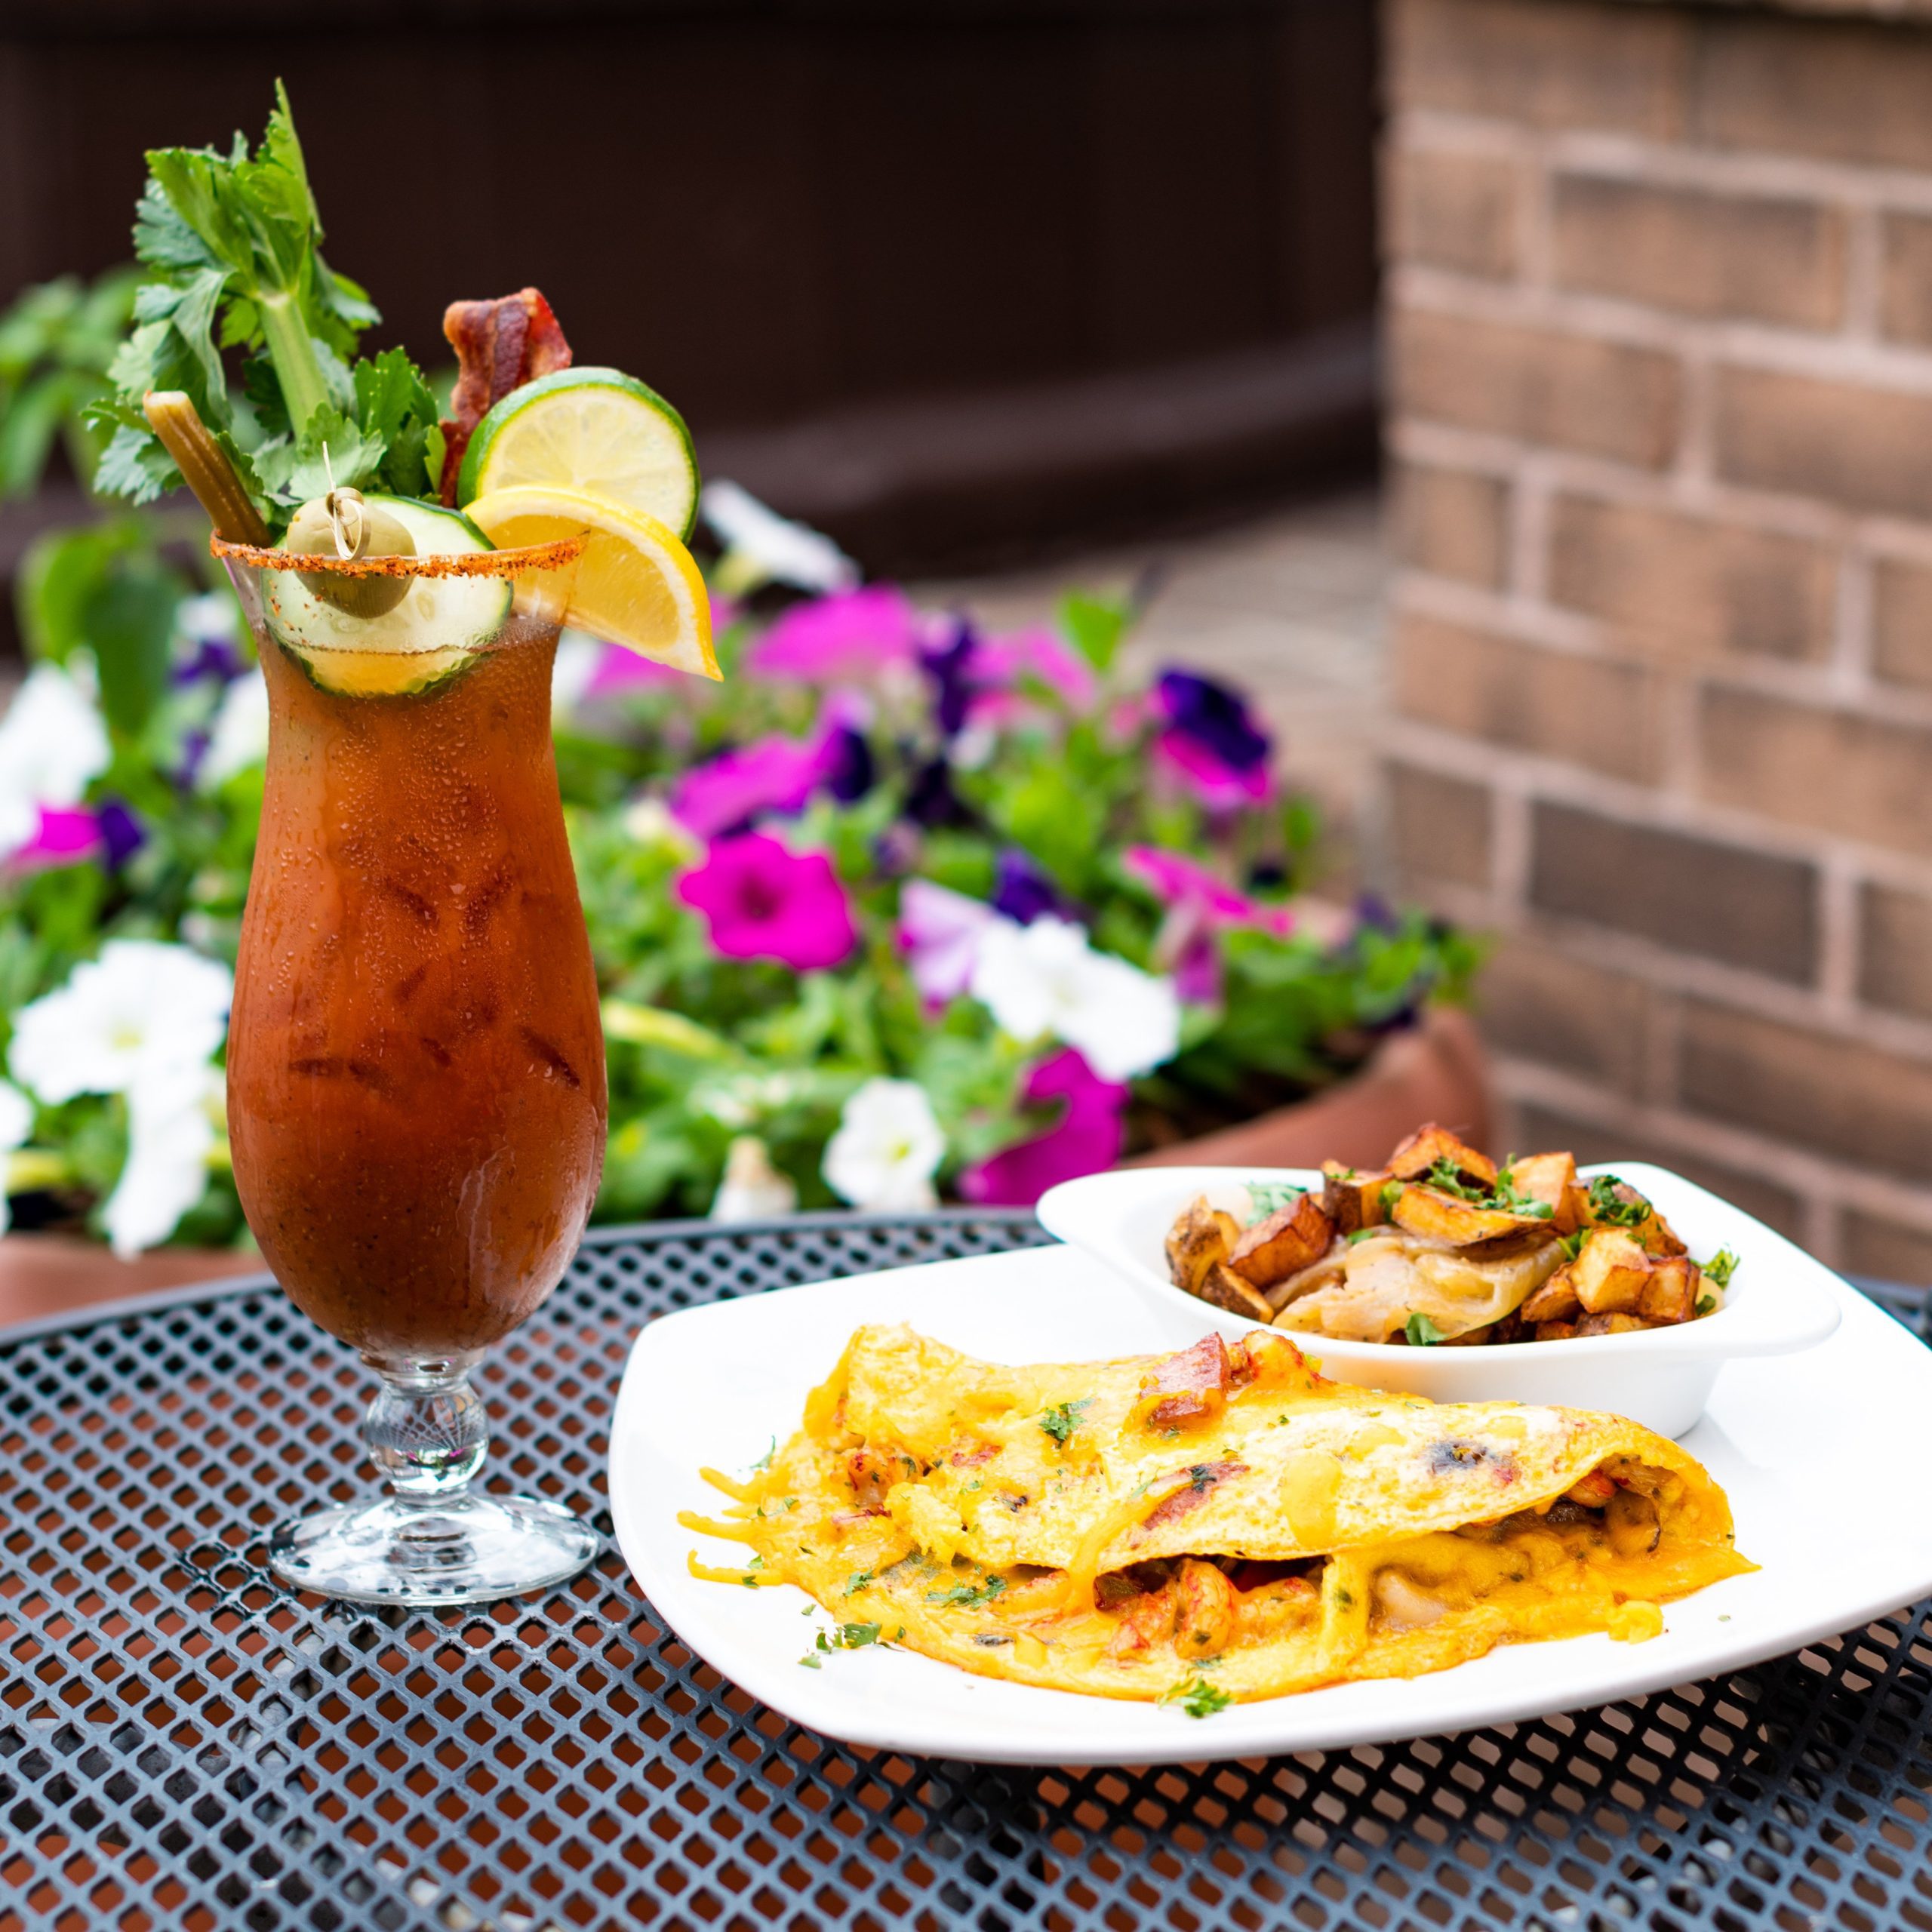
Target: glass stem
427, 1431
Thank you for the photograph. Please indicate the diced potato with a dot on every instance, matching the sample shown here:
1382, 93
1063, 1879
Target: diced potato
1671, 1294
1285, 1243
1225, 1289
1550, 1179
1202, 1236
1614, 1323
1609, 1272
1652, 1231
1555, 1301
1427, 1145
1354, 1200
1556, 1332
1424, 1210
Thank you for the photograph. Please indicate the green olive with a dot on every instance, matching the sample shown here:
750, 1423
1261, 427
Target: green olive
341, 525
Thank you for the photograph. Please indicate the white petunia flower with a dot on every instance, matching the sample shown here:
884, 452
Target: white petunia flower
1045, 978
760, 546
16, 1124
143, 1010
240, 736
753, 1189
651, 823
888, 1148
210, 615
578, 656
171, 1133
53, 745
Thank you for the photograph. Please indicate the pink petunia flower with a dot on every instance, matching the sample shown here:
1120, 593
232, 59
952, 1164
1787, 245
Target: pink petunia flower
1219, 786
1001, 662
1199, 905
851, 636
773, 775
939, 933
762, 901
1178, 881
66, 835
1087, 1138
619, 671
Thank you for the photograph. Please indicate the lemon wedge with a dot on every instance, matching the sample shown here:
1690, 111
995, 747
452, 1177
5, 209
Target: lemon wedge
638, 586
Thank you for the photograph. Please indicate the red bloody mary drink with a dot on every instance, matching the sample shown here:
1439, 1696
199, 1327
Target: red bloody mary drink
416, 1101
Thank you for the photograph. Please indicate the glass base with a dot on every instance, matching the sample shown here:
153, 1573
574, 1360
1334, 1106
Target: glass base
461, 1549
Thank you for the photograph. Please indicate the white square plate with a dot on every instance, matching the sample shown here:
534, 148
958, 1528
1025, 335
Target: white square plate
1815, 1451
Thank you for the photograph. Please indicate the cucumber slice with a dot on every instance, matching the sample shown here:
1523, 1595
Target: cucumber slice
425, 640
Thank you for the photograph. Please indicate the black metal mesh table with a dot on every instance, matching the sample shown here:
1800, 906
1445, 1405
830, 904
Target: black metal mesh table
183, 1743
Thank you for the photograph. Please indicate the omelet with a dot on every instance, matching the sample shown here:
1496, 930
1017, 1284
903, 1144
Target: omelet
1220, 1523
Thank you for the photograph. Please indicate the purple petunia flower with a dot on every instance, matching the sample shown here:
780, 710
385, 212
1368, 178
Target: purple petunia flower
939, 933
1088, 1137
763, 901
949, 663
1211, 739
1021, 890
850, 638
122, 834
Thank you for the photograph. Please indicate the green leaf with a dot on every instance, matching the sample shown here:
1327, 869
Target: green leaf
1094, 626
129, 619
1422, 1332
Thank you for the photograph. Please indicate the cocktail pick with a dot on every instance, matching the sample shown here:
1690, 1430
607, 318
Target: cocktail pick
204, 466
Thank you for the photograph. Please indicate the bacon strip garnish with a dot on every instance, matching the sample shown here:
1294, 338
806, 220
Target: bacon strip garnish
1185, 1387
499, 346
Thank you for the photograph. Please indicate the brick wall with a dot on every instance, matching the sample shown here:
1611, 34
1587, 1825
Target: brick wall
1660, 321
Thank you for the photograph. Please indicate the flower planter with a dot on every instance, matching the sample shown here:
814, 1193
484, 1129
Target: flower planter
1437, 1072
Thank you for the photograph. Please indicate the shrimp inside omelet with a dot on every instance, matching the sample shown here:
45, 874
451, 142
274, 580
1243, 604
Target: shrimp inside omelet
1222, 1516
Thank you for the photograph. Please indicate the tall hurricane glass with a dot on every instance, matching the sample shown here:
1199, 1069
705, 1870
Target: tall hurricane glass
415, 1091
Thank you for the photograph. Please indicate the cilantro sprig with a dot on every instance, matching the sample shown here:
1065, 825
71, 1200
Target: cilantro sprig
1421, 1331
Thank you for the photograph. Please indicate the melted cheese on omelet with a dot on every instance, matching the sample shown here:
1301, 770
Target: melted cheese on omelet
1121, 1527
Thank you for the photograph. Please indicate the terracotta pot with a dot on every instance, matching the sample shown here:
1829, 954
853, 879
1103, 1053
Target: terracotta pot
43, 1275
1436, 1072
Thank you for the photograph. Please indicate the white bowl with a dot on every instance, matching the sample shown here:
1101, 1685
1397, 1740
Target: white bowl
1779, 1300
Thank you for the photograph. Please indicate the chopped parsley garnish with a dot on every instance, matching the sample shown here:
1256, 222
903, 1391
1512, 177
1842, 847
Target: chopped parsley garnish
764, 1461
1509, 1196
1613, 1212
1447, 1178
811, 1662
1720, 1267
857, 1581
1063, 1418
849, 1637
1362, 1233
1392, 1192
1705, 1304
1199, 1699
964, 1596
1572, 1245
1423, 1333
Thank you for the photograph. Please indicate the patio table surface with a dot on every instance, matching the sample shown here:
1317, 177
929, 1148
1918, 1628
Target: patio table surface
183, 1742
